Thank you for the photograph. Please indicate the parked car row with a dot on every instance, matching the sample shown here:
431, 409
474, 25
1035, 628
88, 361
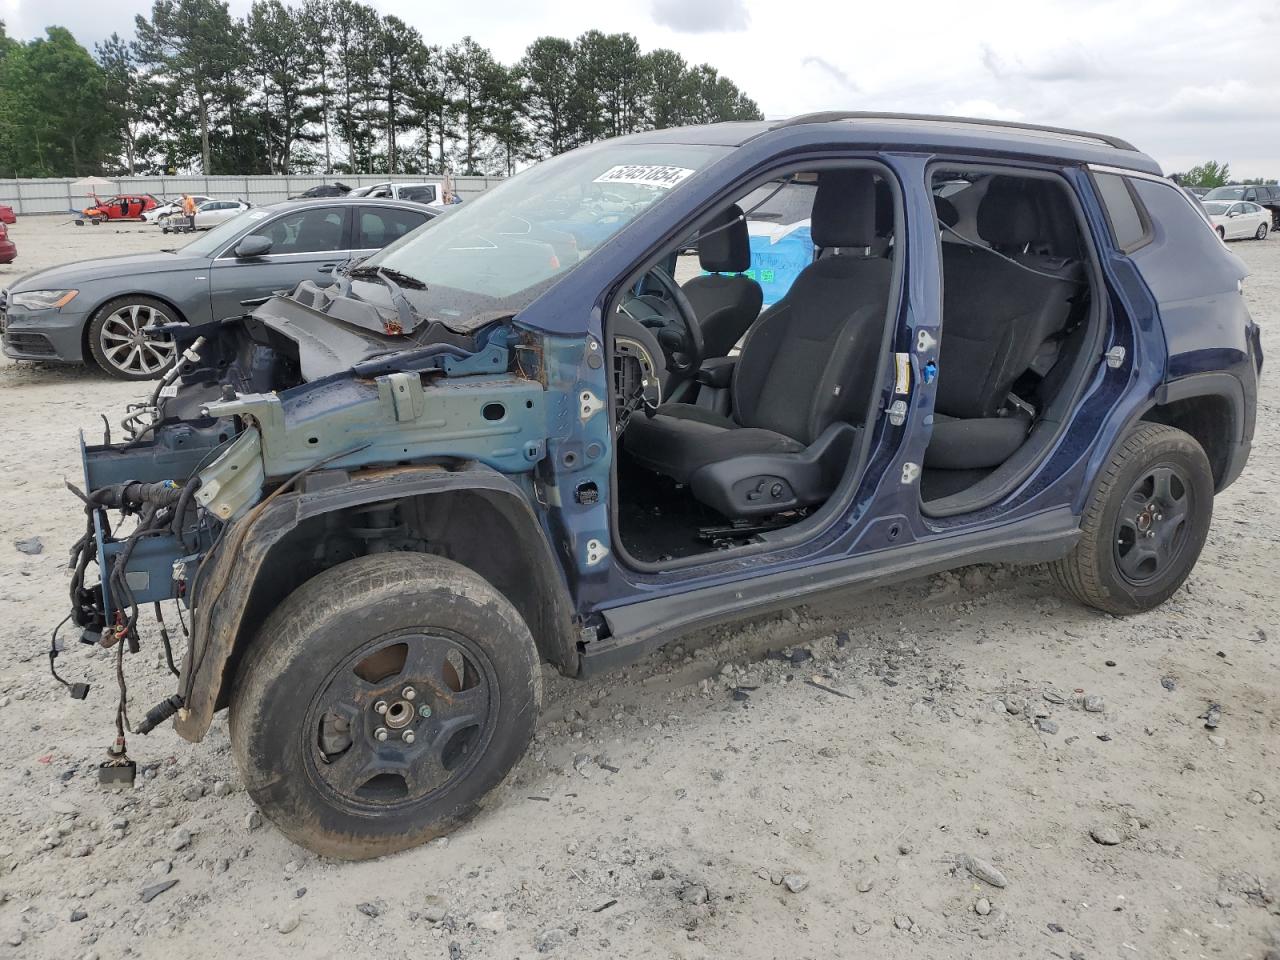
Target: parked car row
1265, 195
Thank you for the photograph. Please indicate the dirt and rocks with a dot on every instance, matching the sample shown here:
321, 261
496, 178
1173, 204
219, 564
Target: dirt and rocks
967, 765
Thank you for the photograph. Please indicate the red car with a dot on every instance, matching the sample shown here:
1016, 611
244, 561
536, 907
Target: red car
8, 250
124, 206
7, 215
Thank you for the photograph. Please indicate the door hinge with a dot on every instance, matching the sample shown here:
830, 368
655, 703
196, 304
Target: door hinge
1115, 357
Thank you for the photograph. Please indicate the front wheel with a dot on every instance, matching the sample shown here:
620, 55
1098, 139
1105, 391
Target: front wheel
1144, 524
1222, 233
119, 341
1261, 232
381, 701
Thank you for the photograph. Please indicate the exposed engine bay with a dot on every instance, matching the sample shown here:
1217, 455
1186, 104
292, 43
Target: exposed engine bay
316, 383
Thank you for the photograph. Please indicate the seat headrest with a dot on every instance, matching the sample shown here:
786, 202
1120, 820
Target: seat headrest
946, 211
724, 244
1007, 214
844, 209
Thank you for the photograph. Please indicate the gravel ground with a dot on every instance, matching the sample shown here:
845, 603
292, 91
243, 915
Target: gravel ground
659, 816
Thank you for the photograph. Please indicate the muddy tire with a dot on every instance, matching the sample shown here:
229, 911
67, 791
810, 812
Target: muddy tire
117, 343
1144, 523
381, 701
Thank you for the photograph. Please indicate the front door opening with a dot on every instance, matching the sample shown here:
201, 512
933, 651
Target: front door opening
746, 363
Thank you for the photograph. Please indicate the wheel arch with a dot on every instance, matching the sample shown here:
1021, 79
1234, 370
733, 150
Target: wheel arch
478, 517
1211, 407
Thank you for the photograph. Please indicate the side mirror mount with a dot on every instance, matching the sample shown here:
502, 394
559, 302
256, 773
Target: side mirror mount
253, 245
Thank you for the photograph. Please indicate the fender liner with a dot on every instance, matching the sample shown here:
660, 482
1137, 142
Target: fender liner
218, 626
1225, 386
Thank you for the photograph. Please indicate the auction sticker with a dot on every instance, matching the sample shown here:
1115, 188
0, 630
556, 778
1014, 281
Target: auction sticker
644, 174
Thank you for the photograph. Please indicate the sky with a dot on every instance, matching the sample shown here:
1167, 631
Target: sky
1184, 81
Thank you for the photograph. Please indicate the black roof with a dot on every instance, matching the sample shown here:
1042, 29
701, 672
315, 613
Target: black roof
912, 131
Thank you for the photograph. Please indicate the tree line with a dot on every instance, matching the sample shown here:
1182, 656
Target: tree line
1211, 173
328, 86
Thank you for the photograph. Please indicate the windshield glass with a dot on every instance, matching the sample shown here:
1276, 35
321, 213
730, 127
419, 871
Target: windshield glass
1216, 209
494, 254
209, 243
1225, 193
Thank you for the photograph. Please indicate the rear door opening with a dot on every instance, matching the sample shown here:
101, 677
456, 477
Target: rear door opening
1020, 319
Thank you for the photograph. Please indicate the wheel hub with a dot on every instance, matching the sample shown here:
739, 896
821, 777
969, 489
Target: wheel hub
399, 713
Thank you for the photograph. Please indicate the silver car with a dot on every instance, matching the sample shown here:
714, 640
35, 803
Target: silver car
96, 310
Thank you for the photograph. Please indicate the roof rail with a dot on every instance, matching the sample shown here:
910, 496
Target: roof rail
829, 116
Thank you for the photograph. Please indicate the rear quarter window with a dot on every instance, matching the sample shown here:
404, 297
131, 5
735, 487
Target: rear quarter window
1129, 224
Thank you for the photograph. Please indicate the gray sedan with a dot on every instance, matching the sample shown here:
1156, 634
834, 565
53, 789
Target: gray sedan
97, 310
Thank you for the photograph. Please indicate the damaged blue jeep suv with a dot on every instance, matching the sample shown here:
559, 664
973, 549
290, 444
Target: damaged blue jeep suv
556, 425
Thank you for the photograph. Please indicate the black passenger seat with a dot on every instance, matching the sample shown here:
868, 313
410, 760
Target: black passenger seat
997, 315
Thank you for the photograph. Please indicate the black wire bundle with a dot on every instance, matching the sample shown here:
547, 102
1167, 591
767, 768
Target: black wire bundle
155, 505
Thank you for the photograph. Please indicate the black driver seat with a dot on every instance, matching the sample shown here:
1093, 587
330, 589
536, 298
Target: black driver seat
801, 384
725, 302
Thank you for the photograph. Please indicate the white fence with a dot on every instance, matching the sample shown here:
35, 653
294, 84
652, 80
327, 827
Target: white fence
59, 196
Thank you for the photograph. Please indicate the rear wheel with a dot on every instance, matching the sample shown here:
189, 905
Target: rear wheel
1261, 233
1144, 524
119, 340
381, 701
1222, 233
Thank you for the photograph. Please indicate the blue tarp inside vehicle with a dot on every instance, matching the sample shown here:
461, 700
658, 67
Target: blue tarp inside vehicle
776, 264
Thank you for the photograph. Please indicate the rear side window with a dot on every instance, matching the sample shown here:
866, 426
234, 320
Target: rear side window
379, 226
1128, 223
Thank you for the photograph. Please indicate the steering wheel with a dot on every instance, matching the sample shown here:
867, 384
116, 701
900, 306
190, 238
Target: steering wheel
683, 351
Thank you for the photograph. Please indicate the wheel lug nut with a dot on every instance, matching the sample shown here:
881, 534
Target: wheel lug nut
380, 733
408, 693
380, 707
407, 736
424, 711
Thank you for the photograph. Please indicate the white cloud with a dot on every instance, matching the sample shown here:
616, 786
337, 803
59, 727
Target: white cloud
701, 16
985, 109
831, 72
